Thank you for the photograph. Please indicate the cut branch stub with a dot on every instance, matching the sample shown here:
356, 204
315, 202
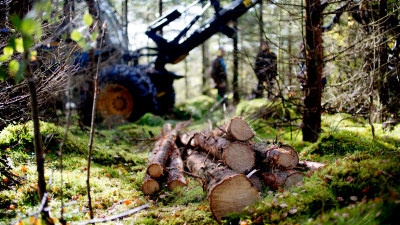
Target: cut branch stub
238, 156
228, 191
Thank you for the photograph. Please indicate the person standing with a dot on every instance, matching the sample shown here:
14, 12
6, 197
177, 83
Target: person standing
266, 69
219, 74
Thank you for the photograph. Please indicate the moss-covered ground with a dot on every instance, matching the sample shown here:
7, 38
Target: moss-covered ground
360, 183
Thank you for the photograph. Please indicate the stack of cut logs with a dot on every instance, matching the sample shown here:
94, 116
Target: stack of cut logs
232, 168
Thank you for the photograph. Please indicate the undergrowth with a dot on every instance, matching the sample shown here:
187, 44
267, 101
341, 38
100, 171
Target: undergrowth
358, 185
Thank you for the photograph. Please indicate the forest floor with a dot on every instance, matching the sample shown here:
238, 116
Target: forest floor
360, 183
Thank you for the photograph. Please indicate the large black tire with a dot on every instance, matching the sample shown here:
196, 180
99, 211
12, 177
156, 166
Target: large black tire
125, 92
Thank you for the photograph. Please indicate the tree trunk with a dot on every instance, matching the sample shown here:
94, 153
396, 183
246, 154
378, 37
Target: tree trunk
227, 190
238, 156
235, 82
311, 126
37, 143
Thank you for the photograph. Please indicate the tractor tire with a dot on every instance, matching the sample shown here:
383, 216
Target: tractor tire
125, 93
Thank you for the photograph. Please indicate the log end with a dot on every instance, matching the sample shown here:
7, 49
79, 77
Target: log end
232, 195
240, 129
150, 186
293, 179
176, 183
155, 170
239, 157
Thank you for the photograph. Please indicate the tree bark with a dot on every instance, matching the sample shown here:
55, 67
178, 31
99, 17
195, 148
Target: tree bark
282, 179
227, 190
175, 169
238, 156
272, 157
160, 156
311, 126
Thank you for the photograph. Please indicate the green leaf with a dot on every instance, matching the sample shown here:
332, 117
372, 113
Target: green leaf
19, 45
76, 36
4, 58
94, 35
28, 26
16, 21
8, 51
20, 73
87, 19
13, 67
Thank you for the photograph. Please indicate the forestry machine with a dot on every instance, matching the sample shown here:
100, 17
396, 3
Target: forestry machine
128, 89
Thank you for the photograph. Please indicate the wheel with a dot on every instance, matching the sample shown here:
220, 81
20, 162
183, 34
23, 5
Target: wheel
125, 93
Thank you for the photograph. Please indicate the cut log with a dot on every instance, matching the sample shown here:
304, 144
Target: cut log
162, 150
228, 191
294, 153
282, 179
149, 185
239, 129
273, 157
238, 156
175, 170
160, 156
257, 182
236, 130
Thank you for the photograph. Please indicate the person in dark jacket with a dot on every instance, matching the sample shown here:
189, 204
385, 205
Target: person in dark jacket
219, 74
266, 69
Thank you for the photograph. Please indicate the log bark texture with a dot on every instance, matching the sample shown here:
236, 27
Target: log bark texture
282, 178
272, 157
162, 150
175, 169
227, 190
236, 155
160, 156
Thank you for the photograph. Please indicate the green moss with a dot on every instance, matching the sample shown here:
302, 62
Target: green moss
150, 119
195, 108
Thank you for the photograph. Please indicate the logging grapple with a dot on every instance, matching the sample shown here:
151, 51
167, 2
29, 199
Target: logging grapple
127, 88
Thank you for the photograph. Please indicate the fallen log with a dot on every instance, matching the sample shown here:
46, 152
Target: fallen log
175, 169
149, 185
162, 150
274, 157
281, 178
236, 155
228, 191
236, 130
294, 153
160, 156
